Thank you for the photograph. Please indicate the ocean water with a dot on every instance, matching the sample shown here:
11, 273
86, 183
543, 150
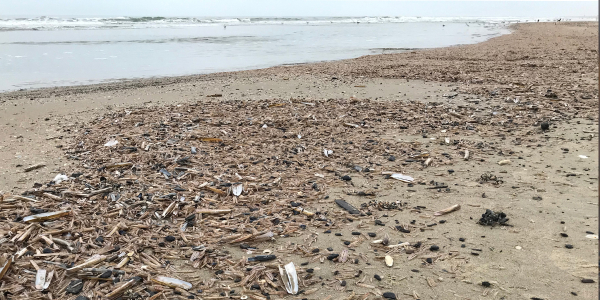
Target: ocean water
45, 52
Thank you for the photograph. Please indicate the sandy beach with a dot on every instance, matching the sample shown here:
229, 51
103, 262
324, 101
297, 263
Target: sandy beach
464, 122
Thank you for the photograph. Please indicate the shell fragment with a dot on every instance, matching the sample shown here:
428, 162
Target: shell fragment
172, 282
401, 177
289, 278
237, 188
389, 261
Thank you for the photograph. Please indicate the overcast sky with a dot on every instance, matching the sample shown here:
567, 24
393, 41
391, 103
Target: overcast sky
198, 8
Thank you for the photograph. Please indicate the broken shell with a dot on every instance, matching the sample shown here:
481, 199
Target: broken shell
289, 278
5, 266
504, 162
46, 216
210, 140
428, 161
403, 178
327, 152
466, 155
48, 280
389, 261
172, 282
40, 279
237, 188
447, 210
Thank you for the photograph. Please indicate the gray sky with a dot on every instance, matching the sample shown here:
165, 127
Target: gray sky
198, 8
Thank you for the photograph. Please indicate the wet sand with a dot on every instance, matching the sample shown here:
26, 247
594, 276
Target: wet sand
497, 92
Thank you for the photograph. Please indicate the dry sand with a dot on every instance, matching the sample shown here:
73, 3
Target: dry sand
502, 93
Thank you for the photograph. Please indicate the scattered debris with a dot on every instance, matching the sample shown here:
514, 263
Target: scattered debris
490, 218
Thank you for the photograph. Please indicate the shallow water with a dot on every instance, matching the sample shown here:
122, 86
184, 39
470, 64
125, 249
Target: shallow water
40, 54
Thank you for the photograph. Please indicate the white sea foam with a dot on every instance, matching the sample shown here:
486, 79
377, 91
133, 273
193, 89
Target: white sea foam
51, 23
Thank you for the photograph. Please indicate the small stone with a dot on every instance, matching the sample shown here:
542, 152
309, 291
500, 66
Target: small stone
429, 260
355, 233
486, 284
450, 171
377, 277
47, 250
169, 238
100, 240
347, 243
346, 178
389, 295
462, 239
316, 250
569, 246
327, 231
310, 270
343, 283
545, 126
564, 234
338, 234
372, 234
587, 280
332, 256
329, 249
392, 158
434, 248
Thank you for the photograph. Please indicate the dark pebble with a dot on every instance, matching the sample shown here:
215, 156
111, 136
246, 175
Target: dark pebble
327, 231
434, 248
564, 234
573, 293
329, 249
316, 250
304, 264
429, 260
106, 274
392, 158
587, 280
338, 234
355, 233
343, 283
569, 246
475, 253
389, 295
415, 270
169, 238
486, 284
47, 250
332, 256
377, 277
347, 243
378, 222
450, 171
372, 234
462, 239
75, 286
589, 232
310, 270
545, 126
346, 178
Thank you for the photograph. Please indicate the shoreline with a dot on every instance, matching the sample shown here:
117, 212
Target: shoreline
132, 83
463, 122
